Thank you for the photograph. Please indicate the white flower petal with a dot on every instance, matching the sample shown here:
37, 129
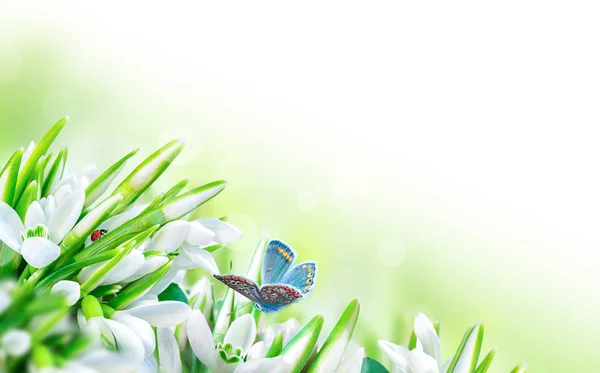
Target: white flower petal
150, 265
352, 363
140, 327
39, 252
420, 362
66, 215
10, 227
199, 235
200, 259
143, 300
258, 351
168, 351
125, 268
398, 355
170, 237
70, 289
127, 341
203, 290
35, 215
242, 333
162, 314
429, 339
224, 232
16, 342
201, 339
49, 206
273, 365
166, 280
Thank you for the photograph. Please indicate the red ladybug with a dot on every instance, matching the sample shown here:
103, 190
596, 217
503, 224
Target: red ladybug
96, 235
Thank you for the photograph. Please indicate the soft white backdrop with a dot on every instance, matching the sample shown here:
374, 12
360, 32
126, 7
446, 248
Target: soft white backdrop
472, 125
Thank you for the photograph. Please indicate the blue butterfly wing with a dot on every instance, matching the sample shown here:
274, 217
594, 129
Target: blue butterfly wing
275, 297
277, 261
302, 277
242, 285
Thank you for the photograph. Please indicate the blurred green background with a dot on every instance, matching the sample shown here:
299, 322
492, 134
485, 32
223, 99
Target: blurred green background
431, 158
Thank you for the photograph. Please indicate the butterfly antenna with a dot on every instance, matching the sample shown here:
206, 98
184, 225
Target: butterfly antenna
239, 307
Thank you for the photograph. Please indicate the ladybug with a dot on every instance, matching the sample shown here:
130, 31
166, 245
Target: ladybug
96, 235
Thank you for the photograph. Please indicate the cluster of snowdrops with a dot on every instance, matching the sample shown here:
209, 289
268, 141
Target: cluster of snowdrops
90, 281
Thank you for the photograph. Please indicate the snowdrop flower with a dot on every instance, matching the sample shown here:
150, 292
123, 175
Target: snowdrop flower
423, 359
16, 342
131, 329
69, 289
81, 180
352, 363
200, 298
47, 222
226, 356
192, 238
289, 329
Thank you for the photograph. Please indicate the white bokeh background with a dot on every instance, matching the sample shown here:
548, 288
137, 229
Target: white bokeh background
458, 140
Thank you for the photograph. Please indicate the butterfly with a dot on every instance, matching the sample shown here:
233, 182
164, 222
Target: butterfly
282, 282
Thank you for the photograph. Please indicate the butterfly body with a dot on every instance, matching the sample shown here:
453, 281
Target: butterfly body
282, 283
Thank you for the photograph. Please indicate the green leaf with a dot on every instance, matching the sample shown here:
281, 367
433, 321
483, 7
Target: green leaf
102, 182
172, 210
55, 172
90, 222
276, 345
187, 202
332, 352
146, 173
99, 275
521, 368
67, 271
40, 149
372, 366
486, 362
8, 178
174, 191
253, 273
31, 194
173, 292
225, 316
140, 287
299, 350
467, 354
412, 342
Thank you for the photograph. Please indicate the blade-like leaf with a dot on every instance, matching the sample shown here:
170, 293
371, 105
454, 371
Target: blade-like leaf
333, 350
91, 221
276, 345
140, 287
299, 350
40, 149
175, 190
521, 368
486, 362
253, 274
146, 173
55, 172
8, 178
102, 182
225, 316
32, 193
467, 354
